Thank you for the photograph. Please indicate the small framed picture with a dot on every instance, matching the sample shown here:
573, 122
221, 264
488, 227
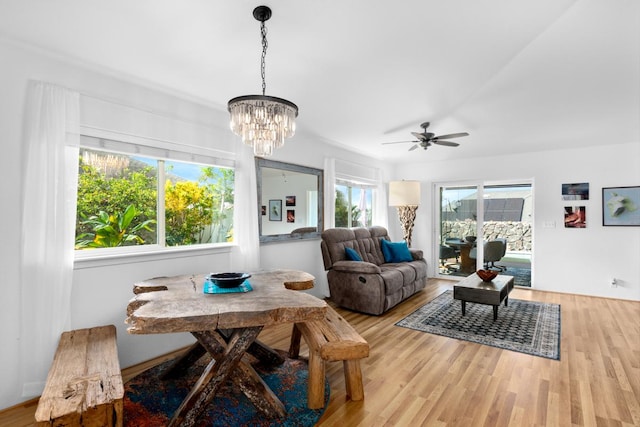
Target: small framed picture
263, 210
291, 215
275, 210
621, 206
575, 217
578, 191
290, 200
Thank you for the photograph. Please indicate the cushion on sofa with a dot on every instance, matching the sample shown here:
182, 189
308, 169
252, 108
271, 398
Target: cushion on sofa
352, 255
395, 252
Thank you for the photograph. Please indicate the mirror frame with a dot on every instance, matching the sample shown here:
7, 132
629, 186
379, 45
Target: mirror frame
272, 164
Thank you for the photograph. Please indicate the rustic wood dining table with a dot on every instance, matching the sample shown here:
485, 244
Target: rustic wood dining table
226, 326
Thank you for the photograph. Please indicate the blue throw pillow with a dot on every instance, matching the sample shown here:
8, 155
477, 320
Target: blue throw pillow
352, 255
395, 252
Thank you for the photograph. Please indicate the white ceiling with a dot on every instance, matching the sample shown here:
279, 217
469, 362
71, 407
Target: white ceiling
517, 75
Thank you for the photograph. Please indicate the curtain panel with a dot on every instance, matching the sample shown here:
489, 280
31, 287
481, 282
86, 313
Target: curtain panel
49, 165
246, 254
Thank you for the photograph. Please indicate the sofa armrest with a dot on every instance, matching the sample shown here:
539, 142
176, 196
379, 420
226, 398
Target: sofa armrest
358, 267
416, 253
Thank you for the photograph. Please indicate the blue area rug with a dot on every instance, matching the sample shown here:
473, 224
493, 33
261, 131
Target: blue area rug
150, 401
524, 326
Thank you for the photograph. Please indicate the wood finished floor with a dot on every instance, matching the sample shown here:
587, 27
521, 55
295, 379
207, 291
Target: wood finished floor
413, 378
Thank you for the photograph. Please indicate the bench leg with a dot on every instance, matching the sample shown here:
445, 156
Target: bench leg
315, 387
353, 379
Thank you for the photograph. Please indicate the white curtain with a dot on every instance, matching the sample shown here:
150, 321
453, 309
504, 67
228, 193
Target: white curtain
50, 181
329, 193
246, 255
380, 209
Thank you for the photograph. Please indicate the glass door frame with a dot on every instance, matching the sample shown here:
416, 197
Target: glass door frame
437, 217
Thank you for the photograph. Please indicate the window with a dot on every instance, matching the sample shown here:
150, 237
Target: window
353, 205
130, 196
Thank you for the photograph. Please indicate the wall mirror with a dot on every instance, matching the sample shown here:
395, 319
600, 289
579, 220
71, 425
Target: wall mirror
289, 200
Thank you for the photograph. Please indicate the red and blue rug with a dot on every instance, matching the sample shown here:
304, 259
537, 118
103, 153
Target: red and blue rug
150, 401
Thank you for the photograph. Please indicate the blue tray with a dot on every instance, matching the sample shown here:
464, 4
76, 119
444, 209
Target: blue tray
212, 288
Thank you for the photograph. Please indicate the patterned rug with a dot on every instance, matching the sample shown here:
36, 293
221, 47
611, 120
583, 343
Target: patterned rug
524, 326
521, 276
150, 402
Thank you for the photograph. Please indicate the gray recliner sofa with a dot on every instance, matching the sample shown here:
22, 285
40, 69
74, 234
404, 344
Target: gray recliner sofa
372, 285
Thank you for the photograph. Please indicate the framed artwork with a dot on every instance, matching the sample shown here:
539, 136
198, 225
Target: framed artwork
290, 200
291, 215
578, 191
263, 210
575, 217
621, 206
275, 210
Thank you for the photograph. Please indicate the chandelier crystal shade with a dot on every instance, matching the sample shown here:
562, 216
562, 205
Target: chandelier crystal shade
263, 121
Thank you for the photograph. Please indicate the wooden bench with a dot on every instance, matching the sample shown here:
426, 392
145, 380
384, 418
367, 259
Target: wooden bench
330, 339
84, 385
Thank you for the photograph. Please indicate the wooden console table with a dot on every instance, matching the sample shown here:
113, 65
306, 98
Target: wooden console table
226, 326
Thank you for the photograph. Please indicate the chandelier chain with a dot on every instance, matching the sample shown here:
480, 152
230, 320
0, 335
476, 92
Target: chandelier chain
263, 32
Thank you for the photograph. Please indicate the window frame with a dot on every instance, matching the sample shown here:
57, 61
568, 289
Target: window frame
105, 141
351, 185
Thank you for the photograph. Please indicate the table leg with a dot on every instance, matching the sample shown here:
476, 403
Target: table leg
495, 312
464, 307
245, 377
226, 363
294, 346
506, 300
182, 363
261, 351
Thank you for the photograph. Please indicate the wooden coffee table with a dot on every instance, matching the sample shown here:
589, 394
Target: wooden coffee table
473, 289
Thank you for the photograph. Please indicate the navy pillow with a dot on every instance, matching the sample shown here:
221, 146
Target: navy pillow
395, 252
352, 255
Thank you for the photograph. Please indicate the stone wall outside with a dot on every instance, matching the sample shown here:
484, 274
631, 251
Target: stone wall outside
518, 234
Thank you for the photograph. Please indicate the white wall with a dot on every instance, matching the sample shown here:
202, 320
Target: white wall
276, 188
101, 291
580, 261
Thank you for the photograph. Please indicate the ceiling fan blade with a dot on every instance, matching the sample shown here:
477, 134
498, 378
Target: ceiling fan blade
413, 148
420, 136
397, 142
452, 135
447, 143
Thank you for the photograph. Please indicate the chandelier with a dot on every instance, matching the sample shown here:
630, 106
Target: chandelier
262, 121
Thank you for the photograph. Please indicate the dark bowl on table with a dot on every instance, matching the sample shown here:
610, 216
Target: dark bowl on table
487, 275
228, 280
470, 239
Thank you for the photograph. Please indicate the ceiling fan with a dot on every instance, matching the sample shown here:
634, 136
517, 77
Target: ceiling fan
425, 139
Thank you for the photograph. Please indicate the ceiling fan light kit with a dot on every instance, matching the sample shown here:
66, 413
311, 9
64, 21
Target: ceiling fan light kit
426, 139
262, 121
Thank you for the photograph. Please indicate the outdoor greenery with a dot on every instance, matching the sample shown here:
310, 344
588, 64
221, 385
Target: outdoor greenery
342, 211
117, 203
111, 230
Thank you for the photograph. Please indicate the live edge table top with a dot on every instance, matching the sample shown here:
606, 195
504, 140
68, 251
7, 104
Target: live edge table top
178, 304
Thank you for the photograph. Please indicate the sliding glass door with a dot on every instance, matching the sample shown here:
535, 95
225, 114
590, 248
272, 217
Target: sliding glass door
484, 225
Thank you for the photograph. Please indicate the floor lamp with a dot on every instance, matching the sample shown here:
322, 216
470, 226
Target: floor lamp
405, 195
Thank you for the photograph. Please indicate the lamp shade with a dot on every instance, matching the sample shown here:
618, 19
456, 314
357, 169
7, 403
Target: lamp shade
404, 193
